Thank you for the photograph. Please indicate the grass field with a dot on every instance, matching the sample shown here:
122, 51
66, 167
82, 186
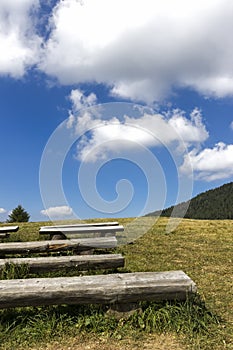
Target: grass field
201, 248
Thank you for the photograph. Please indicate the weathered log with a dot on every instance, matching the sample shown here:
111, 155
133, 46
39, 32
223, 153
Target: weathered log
98, 289
75, 230
111, 223
5, 229
56, 263
59, 245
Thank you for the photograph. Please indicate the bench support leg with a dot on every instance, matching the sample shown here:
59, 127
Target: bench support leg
123, 310
87, 252
58, 236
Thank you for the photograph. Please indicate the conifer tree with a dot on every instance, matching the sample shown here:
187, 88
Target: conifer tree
18, 214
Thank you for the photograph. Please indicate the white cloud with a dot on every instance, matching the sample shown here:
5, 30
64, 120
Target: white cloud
142, 49
2, 210
173, 129
19, 43
210, 164
231, 125
149, 130
79, 100
59, 211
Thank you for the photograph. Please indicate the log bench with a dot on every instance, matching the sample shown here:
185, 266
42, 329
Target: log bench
78, 245
57, 263
5, 231
72, 231
93, 224
113, 289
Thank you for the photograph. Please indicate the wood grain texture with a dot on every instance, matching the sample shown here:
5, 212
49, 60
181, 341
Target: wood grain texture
98, 289
56, 263
59, 245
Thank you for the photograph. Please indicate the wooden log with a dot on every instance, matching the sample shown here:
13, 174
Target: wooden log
59, 245
4, 235
5, 229
98, 289
68, 231
81, 263
111, 223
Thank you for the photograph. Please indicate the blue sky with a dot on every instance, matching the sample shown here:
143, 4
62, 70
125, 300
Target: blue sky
113, 108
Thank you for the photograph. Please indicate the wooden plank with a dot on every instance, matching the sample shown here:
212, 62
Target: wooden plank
59, 245
98, 289
80, 230
111, 223
56, 263
5, 229
4, 235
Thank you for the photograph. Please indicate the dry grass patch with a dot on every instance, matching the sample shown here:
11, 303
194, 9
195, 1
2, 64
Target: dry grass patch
152, 342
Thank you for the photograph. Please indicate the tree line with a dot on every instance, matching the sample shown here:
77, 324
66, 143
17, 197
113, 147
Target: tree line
216, 204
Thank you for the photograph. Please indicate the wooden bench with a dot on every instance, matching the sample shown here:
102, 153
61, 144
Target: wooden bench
71, 231
98, 289
5, 231
79, 245
95, 224
57, 263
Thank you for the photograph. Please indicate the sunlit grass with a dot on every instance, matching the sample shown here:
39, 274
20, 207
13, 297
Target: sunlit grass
202, 249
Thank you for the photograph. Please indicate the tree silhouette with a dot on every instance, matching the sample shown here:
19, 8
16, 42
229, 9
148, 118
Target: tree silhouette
18, 214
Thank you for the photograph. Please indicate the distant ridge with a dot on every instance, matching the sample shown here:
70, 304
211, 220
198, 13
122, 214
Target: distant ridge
216, 204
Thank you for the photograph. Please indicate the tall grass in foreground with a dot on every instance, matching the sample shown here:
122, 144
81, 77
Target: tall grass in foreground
29, 326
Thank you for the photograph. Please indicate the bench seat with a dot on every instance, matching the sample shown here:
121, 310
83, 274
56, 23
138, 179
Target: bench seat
81, 244
6, 229
72, 231
56, 263
98, 289
94, 224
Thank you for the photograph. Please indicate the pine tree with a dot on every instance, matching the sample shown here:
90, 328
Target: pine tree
18, 214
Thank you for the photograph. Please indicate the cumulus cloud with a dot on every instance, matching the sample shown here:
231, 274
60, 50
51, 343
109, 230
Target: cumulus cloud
112, 135
211, 163
2, 210
19, 42
172, 129
142, 49
80, 100
59, 211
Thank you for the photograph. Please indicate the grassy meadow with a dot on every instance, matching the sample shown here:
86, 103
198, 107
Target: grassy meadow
201, 248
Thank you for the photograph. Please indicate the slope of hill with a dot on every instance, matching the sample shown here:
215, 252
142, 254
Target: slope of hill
216, 204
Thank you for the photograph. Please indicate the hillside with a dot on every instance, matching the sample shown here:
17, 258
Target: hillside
216, 204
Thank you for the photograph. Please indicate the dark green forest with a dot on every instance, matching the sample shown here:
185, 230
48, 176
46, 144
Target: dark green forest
216, 204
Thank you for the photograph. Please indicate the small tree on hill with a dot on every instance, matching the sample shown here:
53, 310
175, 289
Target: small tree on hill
18, 214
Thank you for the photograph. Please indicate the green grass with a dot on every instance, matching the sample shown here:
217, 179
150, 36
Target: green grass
202, 249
